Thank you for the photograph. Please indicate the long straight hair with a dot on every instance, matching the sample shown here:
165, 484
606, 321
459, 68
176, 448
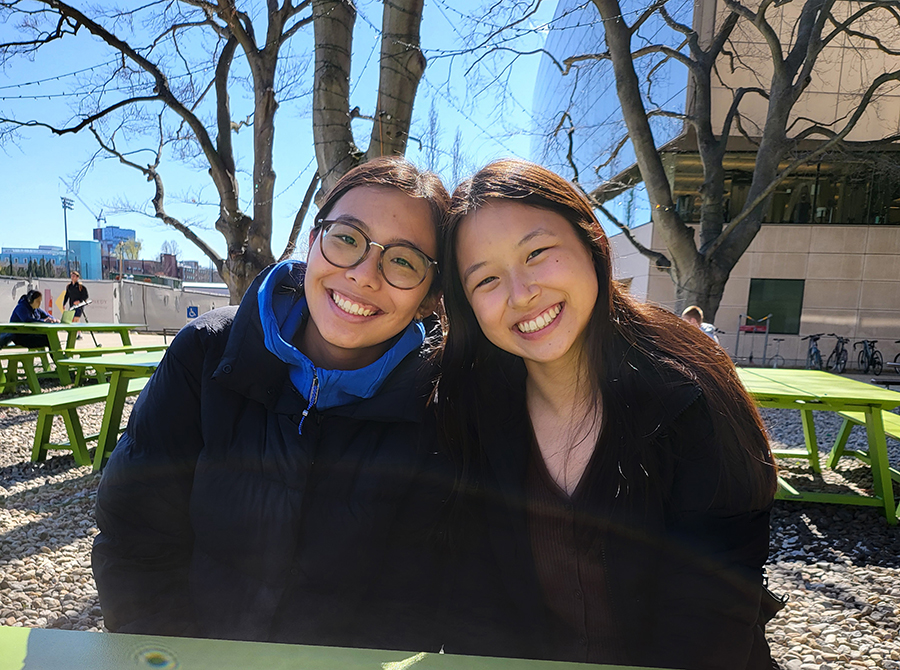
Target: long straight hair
620, 331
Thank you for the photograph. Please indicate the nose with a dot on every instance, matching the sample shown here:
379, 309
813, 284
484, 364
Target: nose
523, 289
367, 273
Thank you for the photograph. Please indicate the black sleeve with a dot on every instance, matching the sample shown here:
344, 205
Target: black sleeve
712, 577
141, 556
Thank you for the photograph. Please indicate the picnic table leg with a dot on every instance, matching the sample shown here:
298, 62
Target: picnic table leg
30, 375
41, 436
76, 437
4, 380
840, 444
56, 353
881, 473
112, 418
809, 433
126, 337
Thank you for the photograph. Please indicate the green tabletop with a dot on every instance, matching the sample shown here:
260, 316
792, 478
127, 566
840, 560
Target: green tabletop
44, 649
140, 362
808, 390
55, 331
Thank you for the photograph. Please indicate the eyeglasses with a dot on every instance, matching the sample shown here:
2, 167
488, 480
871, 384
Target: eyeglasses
346, 246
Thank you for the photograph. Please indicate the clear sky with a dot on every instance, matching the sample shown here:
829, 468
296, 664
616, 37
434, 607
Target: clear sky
39, 167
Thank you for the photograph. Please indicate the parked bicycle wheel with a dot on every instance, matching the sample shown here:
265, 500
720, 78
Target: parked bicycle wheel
862, 361
842, 362
817, 360
831, 363
777, 361
877, 362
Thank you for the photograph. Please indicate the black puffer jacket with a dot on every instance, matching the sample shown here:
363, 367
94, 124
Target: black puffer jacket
219, 520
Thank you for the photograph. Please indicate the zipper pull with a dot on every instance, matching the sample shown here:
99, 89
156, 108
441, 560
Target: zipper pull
313, 396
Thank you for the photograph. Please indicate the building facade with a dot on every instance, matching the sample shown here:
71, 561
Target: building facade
85, 257
827, 258
110, 236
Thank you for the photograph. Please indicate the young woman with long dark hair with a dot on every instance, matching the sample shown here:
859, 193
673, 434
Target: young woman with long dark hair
617, 469
278, 480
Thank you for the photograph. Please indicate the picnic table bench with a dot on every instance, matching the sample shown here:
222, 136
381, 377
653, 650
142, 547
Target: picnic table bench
891, 427
65, 403
887, 382
24, 358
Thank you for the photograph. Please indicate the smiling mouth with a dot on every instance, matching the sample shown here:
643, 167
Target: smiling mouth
542, 321
354, 308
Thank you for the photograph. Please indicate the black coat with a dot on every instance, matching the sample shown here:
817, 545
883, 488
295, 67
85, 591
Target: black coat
683, 556
218, 520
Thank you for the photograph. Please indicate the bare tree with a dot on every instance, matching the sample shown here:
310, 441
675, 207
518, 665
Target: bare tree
170, 247
794, 37
177, 76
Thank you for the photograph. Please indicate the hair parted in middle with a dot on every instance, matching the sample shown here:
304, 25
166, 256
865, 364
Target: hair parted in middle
620, 329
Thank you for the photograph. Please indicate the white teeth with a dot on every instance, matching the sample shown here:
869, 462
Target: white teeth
349, 306
541, 322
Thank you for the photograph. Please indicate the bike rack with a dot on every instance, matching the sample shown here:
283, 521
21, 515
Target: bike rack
756, 326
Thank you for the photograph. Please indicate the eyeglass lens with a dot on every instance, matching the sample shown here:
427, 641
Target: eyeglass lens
403, 266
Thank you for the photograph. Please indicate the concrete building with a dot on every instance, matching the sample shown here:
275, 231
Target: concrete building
45, 260
827, 258
110, 236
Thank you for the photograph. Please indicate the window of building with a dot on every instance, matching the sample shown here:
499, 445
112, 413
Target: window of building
782, 298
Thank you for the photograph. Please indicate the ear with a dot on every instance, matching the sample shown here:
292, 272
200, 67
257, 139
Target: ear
429, 304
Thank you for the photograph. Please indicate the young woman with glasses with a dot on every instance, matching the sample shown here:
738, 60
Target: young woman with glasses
277, 480
620, 472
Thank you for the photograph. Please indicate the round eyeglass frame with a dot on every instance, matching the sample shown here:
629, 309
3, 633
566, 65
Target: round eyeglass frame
325, 224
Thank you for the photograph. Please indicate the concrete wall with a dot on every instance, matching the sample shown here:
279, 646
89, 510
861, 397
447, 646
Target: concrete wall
851, 273
116, 302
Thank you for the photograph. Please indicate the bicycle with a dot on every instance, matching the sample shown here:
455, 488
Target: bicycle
777, 360
897, 357
837, 359
869, 357
813, 355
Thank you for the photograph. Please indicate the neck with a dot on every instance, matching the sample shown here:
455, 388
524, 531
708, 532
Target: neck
329, 357
562, 386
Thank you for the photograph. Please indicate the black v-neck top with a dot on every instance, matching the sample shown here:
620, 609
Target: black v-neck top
569, 563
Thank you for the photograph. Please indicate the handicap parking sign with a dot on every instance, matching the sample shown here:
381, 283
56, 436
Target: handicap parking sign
193, 312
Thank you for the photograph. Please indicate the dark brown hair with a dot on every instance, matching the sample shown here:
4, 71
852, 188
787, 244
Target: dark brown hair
394, 172
623, 335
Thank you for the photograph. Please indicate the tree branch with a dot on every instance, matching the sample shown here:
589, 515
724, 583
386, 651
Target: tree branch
298, 219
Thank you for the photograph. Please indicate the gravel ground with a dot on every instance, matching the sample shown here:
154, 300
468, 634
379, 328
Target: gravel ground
840, 565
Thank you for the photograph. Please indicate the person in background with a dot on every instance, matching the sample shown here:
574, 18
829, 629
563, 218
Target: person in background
28, 310
694, 315
279, 479
617, 478
76, 295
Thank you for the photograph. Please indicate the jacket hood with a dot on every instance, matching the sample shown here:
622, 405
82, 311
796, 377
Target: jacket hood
282, 314
248, 367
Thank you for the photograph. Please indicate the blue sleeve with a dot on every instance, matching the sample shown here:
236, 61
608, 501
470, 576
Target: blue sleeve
22, 314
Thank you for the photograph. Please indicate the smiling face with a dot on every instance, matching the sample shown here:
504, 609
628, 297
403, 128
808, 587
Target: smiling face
354, 312
529, 278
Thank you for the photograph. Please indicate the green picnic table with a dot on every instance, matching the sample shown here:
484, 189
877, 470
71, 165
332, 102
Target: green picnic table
48, 649
55, 332
122, 368
808, 390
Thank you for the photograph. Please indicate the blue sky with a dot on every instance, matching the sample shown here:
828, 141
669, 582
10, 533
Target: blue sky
38, 169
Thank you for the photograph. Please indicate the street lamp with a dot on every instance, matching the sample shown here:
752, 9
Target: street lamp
67, 204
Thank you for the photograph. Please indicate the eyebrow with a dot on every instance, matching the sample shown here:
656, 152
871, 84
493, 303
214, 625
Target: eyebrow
537, 232
359, 223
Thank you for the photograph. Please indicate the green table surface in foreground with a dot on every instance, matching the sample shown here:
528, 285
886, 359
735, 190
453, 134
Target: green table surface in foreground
808, 390
44, 649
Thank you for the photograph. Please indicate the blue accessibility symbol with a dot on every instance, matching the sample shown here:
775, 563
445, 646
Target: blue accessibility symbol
193, 312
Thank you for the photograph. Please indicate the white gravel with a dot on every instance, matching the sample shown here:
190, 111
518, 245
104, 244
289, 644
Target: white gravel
840, 565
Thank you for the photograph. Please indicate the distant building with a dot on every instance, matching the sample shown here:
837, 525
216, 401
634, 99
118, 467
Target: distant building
110, 236
189, 270
84, 256
45, 261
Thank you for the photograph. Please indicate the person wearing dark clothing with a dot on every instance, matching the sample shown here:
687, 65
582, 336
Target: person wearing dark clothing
28, 310
278, 479
617, 477
76, 295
